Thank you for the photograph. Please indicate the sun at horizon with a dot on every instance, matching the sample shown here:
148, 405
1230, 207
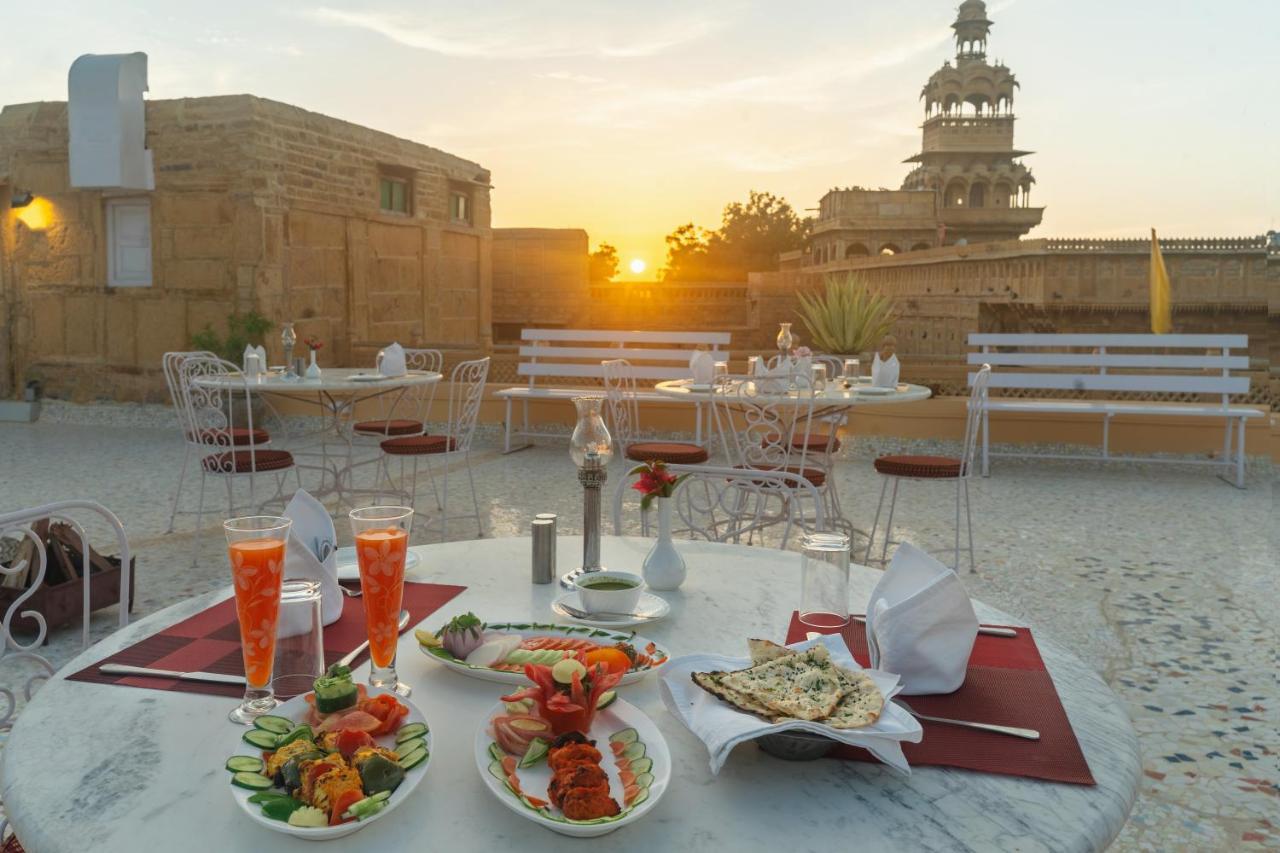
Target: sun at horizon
637, 266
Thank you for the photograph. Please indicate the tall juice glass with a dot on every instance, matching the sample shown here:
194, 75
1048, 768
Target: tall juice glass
255, 548
382, 542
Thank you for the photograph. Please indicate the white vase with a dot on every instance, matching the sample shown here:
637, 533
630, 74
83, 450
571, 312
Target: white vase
663, 567
313, 369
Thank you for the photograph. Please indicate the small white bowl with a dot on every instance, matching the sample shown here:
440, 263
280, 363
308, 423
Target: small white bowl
609, 600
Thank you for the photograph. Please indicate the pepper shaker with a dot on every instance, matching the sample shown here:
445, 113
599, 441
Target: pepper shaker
543, 532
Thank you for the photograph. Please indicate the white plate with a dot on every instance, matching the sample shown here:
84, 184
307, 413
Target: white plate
527, 630
296, 709
533, 780
654, 609
349, 568
367, 377
875, 389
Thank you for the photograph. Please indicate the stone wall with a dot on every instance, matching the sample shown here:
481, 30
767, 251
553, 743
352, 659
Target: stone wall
540, 278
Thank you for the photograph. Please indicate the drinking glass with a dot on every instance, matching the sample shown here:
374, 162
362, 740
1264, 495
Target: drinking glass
752, 365
722, 371
852, 369
824, 580
819, 378
382, 543
255, 548
299, 658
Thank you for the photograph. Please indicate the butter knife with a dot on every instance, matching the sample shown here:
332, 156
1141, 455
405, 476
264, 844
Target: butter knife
989, 630
215, 677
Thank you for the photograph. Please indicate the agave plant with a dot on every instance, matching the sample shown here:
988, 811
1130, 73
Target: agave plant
848, 319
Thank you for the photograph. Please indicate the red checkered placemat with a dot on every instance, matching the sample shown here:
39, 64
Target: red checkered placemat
210, 642
1006, 684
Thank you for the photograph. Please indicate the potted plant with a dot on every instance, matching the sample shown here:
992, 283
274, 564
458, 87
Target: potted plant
663, 566
847, 318
242, 330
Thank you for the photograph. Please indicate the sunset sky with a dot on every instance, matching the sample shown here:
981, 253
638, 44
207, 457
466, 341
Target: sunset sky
628, 119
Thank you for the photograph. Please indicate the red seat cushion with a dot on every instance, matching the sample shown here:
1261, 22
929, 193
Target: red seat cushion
926, 467
389, 427
247, 461
240, 437
416, 445
816, 443
674, 452
813, 475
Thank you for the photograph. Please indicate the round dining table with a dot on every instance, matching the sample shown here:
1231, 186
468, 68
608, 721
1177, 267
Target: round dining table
114, 768
834, 396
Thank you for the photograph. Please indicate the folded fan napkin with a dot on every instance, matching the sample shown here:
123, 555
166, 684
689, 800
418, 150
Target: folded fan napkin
884, 374
722, 727
776, 379
391, 361
260, 352
703, 367
920, 623
312, 529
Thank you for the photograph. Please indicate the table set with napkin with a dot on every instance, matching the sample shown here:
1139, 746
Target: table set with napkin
312, 555
884, 374
391, 361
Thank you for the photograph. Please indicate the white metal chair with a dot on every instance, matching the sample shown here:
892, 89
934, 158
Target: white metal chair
466, 392
172, 364
19, 525
413, 404
220, 412
960, 469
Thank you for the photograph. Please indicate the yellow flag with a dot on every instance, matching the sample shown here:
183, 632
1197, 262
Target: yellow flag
1161, 303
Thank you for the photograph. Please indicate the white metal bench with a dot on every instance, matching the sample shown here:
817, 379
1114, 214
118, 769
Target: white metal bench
1107, 363
578, 353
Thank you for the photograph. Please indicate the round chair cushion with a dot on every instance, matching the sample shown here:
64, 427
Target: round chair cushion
247, 461
240, 437
673, 452
924, 467
417, 445
394, 426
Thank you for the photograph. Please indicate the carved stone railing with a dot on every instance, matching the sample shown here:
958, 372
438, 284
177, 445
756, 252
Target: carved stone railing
1175, 244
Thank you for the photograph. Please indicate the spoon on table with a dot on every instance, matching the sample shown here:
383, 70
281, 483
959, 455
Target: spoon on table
1028, 734
583, 614
354, 653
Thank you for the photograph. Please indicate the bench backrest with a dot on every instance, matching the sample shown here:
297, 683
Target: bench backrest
1169, 364
578, 353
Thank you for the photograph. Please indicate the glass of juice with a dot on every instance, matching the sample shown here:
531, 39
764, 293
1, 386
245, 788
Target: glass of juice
382, 542
255, 548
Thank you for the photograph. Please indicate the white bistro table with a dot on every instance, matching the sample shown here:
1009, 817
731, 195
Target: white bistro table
336, 393
111, 768
834, 396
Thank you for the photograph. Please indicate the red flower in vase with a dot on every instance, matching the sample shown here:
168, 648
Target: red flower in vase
655, 482
313, 344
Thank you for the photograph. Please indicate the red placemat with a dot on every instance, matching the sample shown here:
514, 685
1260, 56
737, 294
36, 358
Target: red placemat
210, 642
1006, 684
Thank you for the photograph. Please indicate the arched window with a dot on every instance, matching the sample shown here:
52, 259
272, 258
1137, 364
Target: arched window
857, 250
955, 195
889, 249
978, 195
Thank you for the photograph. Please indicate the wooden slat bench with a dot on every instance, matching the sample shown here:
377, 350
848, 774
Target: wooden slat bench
578, 353
1108, 363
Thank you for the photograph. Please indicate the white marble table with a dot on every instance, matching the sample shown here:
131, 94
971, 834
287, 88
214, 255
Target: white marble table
109, 768
834, 396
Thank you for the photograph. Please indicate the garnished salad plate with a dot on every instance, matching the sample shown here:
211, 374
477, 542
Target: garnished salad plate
349, 567
501, 651
571, 771
325, 764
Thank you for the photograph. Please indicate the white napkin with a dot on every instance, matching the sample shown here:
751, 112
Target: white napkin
703, 367
773, 380
249, 367
312, 528
920, 623
391, 361
722, 727
884, 374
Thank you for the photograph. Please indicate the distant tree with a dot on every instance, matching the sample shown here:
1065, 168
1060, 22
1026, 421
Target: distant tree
603, 263
750, 238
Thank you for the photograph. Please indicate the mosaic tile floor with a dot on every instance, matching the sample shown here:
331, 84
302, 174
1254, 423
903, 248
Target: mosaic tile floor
1162, 577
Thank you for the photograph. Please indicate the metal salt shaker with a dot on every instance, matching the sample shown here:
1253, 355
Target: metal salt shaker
544, 547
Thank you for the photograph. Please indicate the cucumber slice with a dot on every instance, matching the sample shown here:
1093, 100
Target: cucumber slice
496, 753
641, 765
624, 736
537, 751
640, 798
262, 739
410, 745
606, 699
634, 751
266, 796
496, 771
273, 724
302, 732
245, 764
413, 759
644, 780
252, 781
411, 730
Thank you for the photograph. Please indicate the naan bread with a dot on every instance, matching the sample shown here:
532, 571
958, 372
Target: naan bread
804, 686
712, 683
763, 651
861, 704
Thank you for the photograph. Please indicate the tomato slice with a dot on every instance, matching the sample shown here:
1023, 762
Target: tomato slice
349, 740
344, 801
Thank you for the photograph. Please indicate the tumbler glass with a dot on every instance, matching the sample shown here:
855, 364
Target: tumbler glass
824, 580
819, 378
299, 658
255, 549
382, 543
852, 368
722, 371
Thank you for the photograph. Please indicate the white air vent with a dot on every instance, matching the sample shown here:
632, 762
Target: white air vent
107, 122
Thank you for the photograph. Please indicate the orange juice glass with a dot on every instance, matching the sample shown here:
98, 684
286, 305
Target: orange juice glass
382, 543
255, 548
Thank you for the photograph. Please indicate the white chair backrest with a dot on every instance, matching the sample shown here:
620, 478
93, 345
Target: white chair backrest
977, 399
624, 408
414, 401
762, 426
466, 393
173, 378
217, 407
578, 353
1107, 363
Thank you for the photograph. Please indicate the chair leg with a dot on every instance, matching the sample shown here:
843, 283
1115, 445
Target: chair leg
444, 503
968, 514
475, 502
195, 545
986, 443
182, 475
432, 477
888, 525
871, 537
956, 567
1240, 455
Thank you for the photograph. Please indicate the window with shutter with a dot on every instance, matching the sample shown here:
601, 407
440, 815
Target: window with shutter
128, 242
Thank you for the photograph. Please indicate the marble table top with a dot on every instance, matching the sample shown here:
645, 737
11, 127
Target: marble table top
332, 380
834, 395
112, 768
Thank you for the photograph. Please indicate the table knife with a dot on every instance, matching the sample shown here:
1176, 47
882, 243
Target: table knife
989, 630
215, 677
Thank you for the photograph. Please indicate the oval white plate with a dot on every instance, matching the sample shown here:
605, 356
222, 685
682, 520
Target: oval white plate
533, 780
367, 377
349, 568
527, 629
654, 607
296, 709
875, 389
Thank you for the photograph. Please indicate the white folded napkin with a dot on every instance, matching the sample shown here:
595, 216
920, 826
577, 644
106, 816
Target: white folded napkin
776, 379
250, 368
920, 623
722, 727
391, 361
311, 535
884, 374
703, 367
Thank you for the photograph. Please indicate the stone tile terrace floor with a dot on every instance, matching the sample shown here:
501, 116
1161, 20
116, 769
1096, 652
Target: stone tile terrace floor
1161, 577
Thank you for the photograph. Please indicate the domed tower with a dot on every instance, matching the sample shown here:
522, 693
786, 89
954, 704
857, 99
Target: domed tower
967, 155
